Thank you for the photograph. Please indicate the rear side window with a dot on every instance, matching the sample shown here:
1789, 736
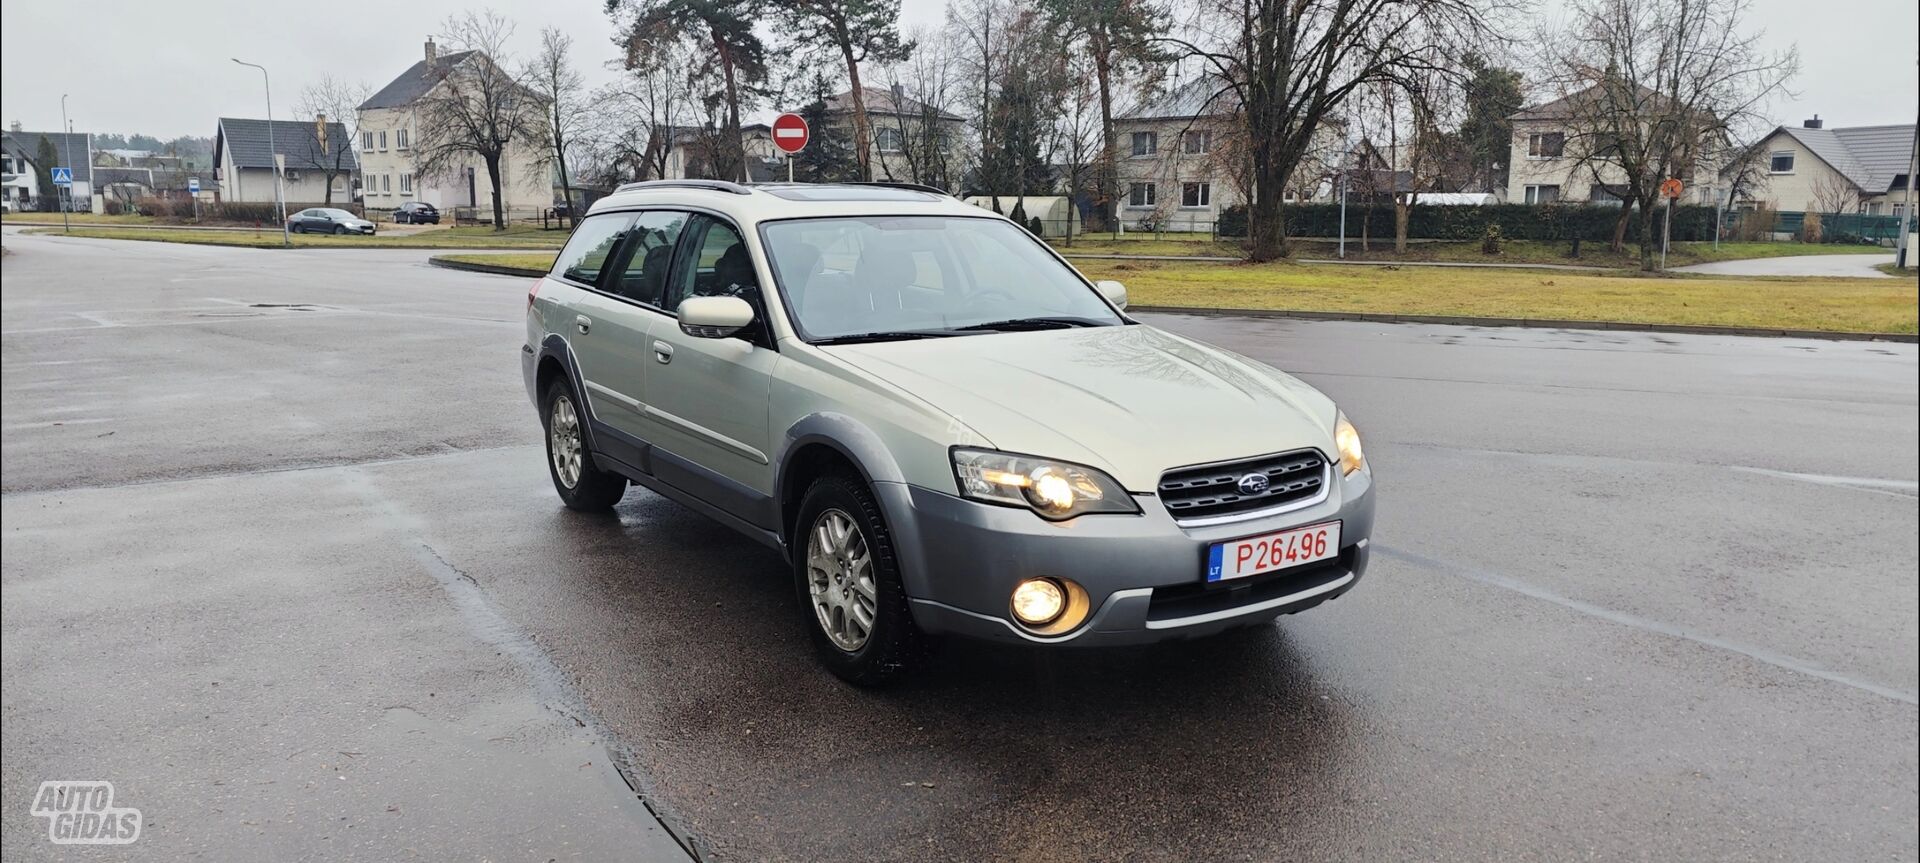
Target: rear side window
587, 251
644, 276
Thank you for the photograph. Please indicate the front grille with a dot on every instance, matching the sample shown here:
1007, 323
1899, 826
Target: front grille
1214, 490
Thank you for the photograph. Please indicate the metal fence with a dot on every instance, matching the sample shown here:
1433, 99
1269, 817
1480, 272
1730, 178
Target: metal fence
1834, 227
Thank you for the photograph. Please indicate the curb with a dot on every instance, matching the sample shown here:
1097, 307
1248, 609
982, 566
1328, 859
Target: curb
1534, 323
1454, 320
490, 269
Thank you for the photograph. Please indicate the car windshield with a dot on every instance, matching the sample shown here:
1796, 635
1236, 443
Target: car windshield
915, 276
335, 214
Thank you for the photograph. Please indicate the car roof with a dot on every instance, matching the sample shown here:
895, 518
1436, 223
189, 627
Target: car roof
750, 204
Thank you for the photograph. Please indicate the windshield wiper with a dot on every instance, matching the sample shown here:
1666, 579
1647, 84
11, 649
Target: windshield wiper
884, 336
1032, 324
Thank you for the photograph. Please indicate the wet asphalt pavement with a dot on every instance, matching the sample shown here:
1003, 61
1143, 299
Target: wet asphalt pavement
281, 560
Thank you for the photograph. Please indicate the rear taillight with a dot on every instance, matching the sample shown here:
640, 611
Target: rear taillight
533, 292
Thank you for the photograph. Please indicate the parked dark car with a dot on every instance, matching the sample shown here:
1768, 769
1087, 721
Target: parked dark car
327, 220
416, 213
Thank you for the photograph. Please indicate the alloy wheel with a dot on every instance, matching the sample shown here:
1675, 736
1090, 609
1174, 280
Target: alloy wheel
840, 580
563, 441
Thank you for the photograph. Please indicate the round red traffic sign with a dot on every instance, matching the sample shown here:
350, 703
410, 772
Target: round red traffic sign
790, 133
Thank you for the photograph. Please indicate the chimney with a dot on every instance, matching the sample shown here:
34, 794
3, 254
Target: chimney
1814, 123
15, 126
432, 54
899, 96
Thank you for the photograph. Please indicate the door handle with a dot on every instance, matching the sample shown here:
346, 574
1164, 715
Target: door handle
584, 323
663, 352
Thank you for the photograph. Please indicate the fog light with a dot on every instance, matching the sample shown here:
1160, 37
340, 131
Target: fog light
1038, 601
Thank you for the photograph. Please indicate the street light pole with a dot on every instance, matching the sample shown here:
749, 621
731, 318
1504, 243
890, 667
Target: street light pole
66, 144
273, 151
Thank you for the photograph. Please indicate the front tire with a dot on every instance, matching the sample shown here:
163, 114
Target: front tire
581, 484
848, 579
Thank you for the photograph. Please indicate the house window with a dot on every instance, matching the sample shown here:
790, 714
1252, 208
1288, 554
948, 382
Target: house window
400, 139
366, 141
406, 184
1543, 194
1146, 144
1546, 145
1196, 194
1196, 141
1781, 163
1140, 194
888, 140
386, 184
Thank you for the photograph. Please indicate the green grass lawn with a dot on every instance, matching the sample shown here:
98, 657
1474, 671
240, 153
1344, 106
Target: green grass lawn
1834, 305
1844, 305
1512, 251
532, 261
449, 238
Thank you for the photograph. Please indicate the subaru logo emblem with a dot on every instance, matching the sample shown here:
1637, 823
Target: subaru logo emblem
1252, 484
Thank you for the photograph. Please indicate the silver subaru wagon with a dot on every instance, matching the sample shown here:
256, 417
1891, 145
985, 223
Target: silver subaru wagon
941, 424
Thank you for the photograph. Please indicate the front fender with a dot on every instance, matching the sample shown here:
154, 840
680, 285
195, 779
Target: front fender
869, 454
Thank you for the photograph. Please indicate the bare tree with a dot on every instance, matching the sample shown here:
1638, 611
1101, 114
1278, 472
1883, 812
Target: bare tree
551, 75
1656, 89
929, 87
476, 108
642, 116
859, 31
731, 54
1834, 195
1081, 136
1119, 39
1292, 63
331, 100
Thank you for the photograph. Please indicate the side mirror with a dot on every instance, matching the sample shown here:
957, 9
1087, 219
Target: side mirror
1115, 292
714, 317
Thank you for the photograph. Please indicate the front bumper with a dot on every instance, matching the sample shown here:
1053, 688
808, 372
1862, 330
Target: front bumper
1143, 574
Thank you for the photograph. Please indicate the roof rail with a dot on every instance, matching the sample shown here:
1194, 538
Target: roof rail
915, 187
709, 185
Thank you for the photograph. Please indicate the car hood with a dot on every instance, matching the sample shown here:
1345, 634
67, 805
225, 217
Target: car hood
1132, 400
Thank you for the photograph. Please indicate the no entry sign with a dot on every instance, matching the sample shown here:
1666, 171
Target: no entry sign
790, 133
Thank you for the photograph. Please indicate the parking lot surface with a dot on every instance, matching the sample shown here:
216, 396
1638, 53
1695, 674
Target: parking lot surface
283, 563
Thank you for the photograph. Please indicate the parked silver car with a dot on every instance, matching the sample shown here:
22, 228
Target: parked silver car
942, 425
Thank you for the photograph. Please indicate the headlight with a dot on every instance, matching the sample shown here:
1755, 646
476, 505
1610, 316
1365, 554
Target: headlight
1055, 490
1347, 438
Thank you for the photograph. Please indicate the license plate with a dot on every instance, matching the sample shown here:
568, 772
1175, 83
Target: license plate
1265, 553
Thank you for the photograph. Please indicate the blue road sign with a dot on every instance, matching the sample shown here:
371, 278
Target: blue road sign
63, 176
193, 185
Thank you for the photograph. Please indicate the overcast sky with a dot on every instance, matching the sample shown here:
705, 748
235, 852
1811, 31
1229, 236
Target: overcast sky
164, 69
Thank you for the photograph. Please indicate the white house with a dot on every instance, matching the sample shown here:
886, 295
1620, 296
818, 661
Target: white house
20, 182
1810, 168
1180, 159
1552, 159
243, 152
389, 126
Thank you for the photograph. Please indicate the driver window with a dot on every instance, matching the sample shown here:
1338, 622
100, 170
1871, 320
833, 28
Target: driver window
720, 267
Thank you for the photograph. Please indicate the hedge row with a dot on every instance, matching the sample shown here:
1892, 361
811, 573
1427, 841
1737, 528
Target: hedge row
180, 209
1516, 221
